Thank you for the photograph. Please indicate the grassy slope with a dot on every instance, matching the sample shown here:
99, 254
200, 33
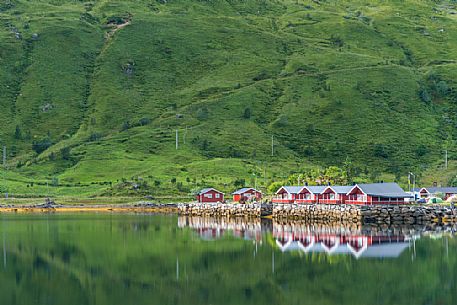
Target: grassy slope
329, 80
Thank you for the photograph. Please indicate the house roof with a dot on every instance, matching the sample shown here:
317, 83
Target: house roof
206, 190
316, 189
291, 189
340, 189
434, 189
388, 250
389, 189
244, 190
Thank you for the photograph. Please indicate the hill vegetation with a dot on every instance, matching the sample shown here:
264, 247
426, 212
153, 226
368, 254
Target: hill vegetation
92, 92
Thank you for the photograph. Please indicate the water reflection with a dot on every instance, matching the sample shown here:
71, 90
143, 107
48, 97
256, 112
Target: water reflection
332, 239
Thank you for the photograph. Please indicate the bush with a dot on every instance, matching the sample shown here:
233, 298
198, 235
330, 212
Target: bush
202, 113
41, 145
247, 113
380, 151
65, 153
144, 121
425, 96
95, 136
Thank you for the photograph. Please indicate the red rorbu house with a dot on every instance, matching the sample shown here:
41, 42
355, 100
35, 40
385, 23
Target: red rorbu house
427, 192
287, 194
309, 194
210, 195
334, 194
247, 194
376, 193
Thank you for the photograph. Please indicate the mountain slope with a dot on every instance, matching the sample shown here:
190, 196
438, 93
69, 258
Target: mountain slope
93, 92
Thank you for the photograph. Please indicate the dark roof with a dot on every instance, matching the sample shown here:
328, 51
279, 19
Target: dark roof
206, 190
390, 189
244, 190
434, 189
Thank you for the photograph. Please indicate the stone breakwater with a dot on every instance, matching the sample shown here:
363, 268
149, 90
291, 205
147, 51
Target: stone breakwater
320, 213
225, 210
408, 214
365, 214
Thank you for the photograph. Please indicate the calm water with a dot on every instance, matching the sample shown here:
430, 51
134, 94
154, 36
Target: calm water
144, 259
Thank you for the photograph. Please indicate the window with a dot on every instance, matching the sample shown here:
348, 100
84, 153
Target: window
209, 196
217, 195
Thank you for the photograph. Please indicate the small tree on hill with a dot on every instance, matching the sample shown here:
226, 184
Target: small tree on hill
247, 113
18, 133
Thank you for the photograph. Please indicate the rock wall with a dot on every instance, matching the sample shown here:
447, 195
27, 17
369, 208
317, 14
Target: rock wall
408, 214
225, 210
319, 212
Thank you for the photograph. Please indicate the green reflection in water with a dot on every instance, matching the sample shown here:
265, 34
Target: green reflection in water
144, 259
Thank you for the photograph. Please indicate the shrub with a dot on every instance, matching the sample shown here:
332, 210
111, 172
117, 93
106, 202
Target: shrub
95, 136
65, 153
425, 96
247, 113
41, 145
144, 121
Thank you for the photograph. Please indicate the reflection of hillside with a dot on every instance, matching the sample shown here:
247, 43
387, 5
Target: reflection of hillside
331, 239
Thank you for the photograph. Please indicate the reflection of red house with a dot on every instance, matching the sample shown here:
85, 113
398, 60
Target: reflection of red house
247, 194
210, 195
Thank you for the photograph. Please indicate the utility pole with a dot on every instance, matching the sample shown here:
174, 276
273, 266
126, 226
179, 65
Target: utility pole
414, 184
4, 171
272, 146
445, 159
177, 142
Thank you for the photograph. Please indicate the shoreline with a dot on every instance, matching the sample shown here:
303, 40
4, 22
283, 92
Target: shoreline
95, 208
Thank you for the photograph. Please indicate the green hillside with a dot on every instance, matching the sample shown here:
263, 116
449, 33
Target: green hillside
92, 93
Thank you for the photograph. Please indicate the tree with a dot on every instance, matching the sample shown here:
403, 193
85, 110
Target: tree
18, 133
425, 96
239, 183
65, 153
442, 88
41, 145
247, 113
274, 186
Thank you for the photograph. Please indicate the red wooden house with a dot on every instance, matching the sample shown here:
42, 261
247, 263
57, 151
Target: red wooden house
309, 194
210, 195
247, 194
376, 193
334, 194
427, 192
287, 194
